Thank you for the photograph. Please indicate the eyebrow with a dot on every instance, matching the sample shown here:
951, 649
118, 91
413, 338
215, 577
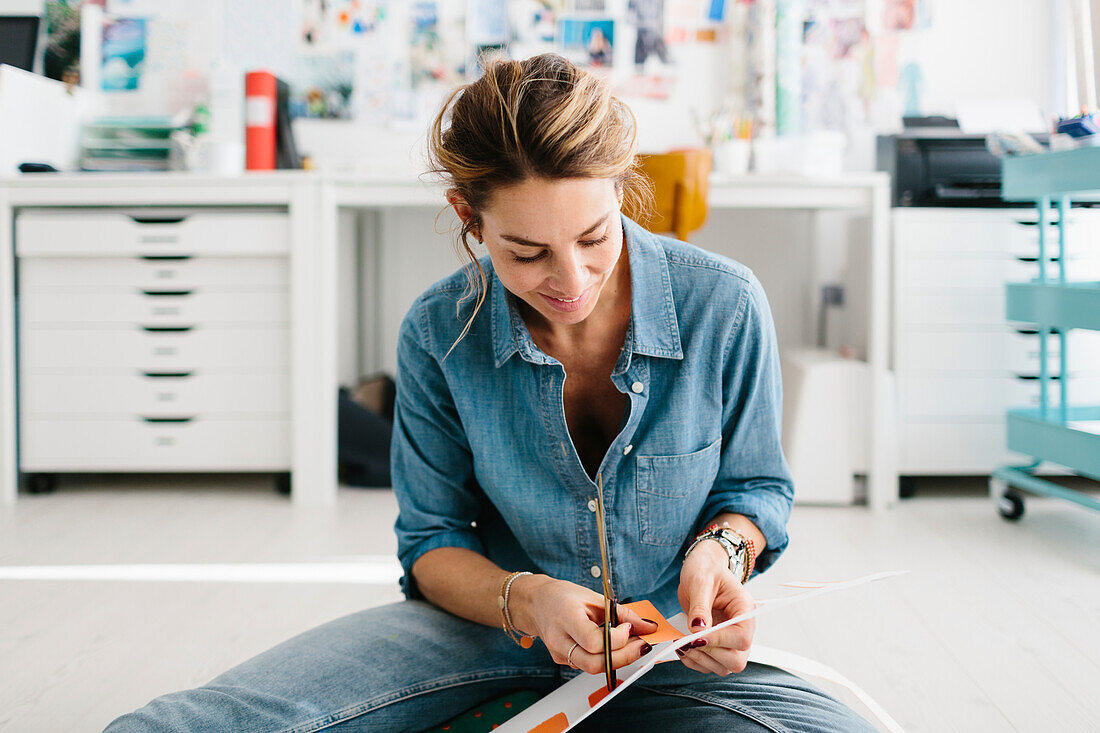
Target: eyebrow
528, 243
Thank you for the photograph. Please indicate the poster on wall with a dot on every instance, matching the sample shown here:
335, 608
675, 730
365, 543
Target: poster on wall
436, 50
534, 26
648, 18
123, 54
588, 41
328, 24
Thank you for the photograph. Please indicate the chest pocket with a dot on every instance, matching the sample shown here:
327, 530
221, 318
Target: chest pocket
671, 493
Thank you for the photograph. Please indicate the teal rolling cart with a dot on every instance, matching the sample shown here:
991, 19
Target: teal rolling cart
1057, 431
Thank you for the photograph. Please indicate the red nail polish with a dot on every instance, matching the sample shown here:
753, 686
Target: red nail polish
646, 649
698, 621
680, 652
650, 621
699, 643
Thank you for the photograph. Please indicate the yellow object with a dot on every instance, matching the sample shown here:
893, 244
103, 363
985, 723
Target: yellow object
681, 181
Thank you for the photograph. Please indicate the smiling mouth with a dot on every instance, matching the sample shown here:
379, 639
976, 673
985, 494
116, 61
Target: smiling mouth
566, 300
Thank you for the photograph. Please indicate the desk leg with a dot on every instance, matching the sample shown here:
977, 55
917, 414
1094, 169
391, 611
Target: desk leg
882, 472
313, 341
9, 467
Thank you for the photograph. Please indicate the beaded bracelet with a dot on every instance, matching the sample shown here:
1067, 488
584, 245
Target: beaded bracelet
524, 640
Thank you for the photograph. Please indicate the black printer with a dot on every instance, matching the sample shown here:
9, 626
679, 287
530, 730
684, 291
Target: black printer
932, 163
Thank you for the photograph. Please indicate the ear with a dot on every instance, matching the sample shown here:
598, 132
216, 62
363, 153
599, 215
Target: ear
462, 209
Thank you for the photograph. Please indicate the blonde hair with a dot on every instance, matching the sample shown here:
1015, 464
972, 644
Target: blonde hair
538, 118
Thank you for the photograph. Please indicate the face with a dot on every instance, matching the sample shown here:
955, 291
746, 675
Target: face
555, 244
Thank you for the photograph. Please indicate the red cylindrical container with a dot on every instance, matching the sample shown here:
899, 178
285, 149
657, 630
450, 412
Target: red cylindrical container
259, 131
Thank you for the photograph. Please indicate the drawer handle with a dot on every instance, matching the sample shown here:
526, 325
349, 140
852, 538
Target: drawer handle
158, 219
166, 293
1035, 377
167, 329
165, 258
167, 419
166, 375
1035, 331
1036, 259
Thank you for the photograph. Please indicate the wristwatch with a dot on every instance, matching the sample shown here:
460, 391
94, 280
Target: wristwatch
736, 546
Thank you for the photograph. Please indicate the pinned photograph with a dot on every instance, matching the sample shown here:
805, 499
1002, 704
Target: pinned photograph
588, 41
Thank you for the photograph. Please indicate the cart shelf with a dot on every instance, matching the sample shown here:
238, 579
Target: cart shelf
1070, 437
1055, 305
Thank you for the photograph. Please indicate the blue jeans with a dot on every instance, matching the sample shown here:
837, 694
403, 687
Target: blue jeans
409, 666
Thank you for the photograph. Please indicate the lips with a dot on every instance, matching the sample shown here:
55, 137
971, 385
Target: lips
565, 305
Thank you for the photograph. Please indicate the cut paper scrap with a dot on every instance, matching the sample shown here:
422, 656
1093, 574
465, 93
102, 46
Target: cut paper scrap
577, 699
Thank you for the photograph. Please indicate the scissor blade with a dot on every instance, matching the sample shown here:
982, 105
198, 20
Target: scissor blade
610, 613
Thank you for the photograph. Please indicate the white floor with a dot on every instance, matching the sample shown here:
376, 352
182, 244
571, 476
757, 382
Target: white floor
996, 627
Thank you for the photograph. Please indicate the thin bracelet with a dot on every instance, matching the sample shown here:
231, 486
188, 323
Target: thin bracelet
524, 640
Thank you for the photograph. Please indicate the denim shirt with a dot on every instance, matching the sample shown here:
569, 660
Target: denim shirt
482, 457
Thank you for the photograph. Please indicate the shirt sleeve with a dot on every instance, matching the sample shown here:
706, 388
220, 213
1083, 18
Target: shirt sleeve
753, 477
430, 458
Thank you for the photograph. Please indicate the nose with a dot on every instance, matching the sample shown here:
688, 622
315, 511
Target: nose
568, 277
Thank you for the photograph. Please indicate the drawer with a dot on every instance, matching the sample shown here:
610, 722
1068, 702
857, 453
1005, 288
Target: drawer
959, 310
163, 306
155, 394
116, 232
953, 448
132, 349
994, 351
987, 274
951, 395
132, 444
111, 274
983, 232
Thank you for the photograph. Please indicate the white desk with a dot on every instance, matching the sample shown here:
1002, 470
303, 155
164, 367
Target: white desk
314, 201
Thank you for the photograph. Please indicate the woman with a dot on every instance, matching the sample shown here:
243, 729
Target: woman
582, 351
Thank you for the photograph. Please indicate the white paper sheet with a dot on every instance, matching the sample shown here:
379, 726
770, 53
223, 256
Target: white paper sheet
585, 694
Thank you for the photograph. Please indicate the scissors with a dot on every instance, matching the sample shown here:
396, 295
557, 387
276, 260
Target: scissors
610, 612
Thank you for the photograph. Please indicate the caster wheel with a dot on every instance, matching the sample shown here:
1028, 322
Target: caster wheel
1011, 505
282, 484
39, 483
907, 487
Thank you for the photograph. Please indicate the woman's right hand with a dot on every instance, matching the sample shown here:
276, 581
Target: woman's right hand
563, 614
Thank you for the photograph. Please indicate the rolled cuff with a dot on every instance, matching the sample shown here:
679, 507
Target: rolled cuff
450, 538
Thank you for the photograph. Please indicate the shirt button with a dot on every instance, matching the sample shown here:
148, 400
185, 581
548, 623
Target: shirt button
591, 505
626, 450
595, 570
637, 387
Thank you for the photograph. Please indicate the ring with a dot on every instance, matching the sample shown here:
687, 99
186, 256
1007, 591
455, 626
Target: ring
569, 656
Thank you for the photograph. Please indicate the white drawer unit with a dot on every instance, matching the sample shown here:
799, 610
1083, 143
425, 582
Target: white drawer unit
147, 443
240, 393
118, 274
164, 306
153, 340
959, 366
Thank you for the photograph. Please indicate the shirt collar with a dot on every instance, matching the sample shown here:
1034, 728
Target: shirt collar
654, 330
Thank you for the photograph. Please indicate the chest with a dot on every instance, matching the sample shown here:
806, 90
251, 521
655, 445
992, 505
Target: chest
594, 409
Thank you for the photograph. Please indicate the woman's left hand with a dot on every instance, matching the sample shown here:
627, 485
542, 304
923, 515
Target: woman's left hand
710, 594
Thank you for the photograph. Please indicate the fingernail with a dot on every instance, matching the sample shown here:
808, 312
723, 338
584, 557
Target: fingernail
699, 643
646, 649
630, 629
680, 652
650, 621
698, 621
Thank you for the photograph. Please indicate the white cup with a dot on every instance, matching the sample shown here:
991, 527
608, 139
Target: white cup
731, 158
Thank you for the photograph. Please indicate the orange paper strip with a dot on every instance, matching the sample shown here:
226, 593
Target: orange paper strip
556, 724
665, 631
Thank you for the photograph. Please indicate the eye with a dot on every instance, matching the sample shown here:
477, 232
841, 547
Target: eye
536, 258
593, 242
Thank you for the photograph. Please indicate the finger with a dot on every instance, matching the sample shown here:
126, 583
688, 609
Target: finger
737, 637
728, 659
620, 635
634, 651
700, 661
641, 625
699, 608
